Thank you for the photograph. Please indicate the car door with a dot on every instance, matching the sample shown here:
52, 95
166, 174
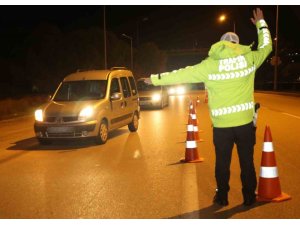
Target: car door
116, 105
127, 104
135, 96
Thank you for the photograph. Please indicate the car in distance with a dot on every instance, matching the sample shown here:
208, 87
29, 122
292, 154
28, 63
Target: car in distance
177, 90
89, 104
152, 96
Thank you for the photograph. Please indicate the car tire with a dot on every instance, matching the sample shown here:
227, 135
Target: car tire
102, 136
162, 104
134, 124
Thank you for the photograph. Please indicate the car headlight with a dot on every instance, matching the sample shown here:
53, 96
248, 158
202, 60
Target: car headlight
171, 91
156, 97
180, 90
38, 114
86, 113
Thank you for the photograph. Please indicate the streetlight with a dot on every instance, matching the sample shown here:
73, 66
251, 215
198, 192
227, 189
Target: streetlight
223, 18
130, 38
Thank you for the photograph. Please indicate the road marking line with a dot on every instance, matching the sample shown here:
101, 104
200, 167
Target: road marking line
291, 115
190, 199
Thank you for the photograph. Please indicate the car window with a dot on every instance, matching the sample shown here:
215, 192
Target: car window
125, 87
133, 86
81, 90
114, 86
142, 86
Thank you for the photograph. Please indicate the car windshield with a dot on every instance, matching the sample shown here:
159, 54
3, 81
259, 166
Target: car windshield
81, 90
142, 86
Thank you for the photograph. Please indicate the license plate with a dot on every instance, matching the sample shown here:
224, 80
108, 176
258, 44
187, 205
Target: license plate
60, 129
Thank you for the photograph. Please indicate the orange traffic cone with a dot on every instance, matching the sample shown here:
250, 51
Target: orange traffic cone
206, 96
269, 186
197, 100
191, 150
192, 105
195, 123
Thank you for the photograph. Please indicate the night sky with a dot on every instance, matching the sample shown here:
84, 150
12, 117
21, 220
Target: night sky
46, 42
170, 27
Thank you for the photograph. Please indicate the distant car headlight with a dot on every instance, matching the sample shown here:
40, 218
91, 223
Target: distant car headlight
86, 113
180, 90
156, 97
172, 91
38, 114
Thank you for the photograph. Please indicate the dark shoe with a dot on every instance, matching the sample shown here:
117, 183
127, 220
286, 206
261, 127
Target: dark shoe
222, 201
248, 201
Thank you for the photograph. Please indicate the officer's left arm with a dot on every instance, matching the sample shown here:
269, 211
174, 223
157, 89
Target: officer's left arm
190, 74
264, 38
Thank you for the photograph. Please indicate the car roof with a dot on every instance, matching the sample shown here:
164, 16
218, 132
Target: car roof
95, 74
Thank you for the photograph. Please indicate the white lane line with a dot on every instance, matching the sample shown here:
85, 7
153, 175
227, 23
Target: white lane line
190, 199
291, 115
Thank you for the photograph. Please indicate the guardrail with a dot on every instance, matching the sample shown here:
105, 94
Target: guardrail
290, 86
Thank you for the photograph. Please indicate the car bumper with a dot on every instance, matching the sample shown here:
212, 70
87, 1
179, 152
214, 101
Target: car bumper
150, 103
57, 131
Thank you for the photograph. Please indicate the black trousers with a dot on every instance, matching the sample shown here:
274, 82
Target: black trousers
224, 139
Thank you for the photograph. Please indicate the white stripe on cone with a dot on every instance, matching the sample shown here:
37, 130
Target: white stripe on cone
195, 128
268, 147
190, 127
193, 116
191, 144
268, 172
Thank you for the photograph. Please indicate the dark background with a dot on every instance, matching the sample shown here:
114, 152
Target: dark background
39, 45
168, 26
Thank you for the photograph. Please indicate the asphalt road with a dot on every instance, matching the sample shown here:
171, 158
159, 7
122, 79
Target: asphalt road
139, 175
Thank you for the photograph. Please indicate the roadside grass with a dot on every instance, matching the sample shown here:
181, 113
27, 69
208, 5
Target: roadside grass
11, 107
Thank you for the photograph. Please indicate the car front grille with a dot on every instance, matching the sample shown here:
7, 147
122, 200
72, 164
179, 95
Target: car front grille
63, 131
65, 119
64, 135
70, 119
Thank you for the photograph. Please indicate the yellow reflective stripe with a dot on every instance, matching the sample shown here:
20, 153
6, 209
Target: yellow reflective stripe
232, 109
266, 38
231, 75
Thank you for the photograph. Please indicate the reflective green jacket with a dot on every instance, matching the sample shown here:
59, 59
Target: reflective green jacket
228, 74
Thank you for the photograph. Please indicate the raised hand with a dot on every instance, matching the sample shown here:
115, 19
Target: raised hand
257, 15
148, 80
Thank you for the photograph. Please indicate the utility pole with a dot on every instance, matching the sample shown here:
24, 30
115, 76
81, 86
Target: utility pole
131, 49
276, 52
104, 33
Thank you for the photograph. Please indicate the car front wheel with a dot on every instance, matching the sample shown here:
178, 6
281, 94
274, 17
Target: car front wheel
103, 133
133, 126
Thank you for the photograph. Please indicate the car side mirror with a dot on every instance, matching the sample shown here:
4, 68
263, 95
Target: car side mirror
116, 96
